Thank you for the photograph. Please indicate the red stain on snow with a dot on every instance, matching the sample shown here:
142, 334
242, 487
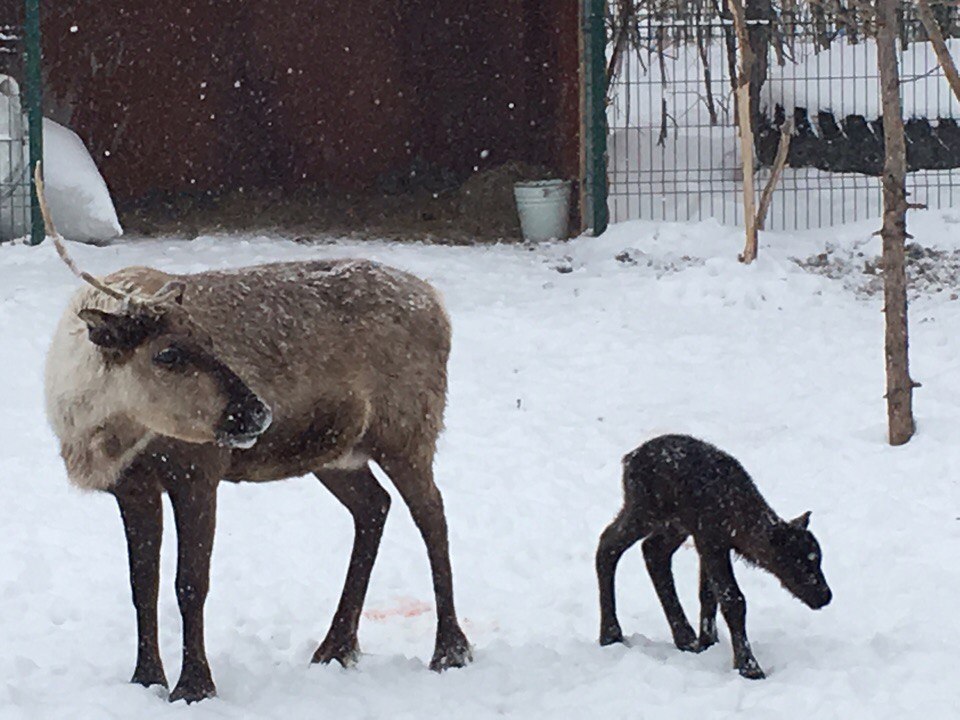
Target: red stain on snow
405, 607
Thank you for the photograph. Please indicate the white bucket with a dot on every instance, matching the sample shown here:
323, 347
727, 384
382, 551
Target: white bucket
544, 209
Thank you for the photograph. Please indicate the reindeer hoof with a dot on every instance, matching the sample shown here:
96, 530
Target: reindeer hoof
752, 671
454, 652
149, 675
346, 653
611, 635
194, 686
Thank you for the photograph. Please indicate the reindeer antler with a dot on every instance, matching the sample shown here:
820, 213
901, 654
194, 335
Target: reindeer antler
163, 297
62, 249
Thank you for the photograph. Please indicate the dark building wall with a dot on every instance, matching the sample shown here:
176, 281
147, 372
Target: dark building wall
215, 94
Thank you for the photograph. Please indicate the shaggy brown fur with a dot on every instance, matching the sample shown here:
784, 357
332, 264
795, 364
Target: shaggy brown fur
350, 359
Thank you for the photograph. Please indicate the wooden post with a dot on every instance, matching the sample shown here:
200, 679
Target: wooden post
745, 61
894, 232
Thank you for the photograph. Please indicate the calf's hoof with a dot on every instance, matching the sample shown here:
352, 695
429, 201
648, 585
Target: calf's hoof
704, 642
686, 639
452, 652
345, 652
706, 639
194, 685
708, 633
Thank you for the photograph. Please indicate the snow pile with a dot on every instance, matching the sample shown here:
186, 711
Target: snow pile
79, 200
565, 357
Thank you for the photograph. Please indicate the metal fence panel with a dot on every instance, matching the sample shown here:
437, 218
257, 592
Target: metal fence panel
673, 149
14, 151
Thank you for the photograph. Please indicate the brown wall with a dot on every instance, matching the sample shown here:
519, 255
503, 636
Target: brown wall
176, 96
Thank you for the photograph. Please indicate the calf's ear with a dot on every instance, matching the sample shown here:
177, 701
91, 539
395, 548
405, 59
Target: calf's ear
802, 522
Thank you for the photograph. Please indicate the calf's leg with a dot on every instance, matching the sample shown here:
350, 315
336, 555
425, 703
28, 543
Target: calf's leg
708, 611
414, 480
734, 609
142, 514
369, 503
616, 539
658, 550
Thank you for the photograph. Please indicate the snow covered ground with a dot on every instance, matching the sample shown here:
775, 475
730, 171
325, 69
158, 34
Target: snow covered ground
564, 359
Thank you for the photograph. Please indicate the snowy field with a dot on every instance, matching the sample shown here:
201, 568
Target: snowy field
554, 376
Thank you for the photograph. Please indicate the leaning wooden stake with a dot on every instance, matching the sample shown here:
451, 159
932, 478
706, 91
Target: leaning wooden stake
744, 63
932, 27
783, 149
894, 232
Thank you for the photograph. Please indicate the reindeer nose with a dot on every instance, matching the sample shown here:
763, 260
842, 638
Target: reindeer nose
827, 597
243, 422
260, 417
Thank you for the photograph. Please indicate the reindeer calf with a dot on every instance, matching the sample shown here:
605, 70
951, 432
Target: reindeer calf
676, 486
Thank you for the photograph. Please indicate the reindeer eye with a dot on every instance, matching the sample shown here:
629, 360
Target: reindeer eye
170, 358
812, 556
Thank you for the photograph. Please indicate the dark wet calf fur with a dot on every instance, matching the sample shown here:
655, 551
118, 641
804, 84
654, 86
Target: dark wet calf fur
676, 486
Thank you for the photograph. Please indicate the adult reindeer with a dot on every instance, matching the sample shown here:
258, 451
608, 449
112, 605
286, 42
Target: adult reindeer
173, 382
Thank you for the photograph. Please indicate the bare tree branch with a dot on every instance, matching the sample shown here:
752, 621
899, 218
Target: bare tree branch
939, 46
705, 60
783, 149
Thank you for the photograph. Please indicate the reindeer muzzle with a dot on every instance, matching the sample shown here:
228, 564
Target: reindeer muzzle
243, 423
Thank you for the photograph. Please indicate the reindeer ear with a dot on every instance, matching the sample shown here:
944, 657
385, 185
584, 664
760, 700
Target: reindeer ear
171, 292
117, 331
802, 521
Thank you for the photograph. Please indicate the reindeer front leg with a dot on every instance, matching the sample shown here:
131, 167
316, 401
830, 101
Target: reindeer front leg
142, 515
194, 498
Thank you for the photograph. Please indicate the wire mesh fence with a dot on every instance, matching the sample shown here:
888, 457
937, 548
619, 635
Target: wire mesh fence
673, 147
15, 209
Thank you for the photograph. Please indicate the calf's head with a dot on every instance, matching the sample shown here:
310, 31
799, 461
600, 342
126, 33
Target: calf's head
169, 378
796, 562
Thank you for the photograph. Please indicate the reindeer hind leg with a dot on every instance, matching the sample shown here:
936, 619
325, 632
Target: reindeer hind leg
414, 480
358, 490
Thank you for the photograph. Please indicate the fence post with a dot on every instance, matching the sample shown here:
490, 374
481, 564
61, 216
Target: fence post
594, 125
34, 83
